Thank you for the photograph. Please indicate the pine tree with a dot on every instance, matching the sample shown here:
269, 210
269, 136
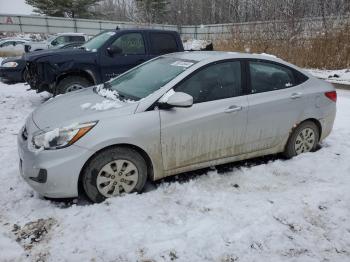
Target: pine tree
63, 8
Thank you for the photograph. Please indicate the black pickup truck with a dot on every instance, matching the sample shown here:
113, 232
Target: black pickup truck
105, 56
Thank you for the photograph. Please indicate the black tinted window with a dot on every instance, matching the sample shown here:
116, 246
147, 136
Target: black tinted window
76, 38
268, 77
130, 44
214, 82
162, 43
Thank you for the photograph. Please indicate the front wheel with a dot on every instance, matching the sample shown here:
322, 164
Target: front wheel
72, 83
303, 139
113, 172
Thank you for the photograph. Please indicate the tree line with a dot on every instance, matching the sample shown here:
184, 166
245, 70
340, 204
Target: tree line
191, 12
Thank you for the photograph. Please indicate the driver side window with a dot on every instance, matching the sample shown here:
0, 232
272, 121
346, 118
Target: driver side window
130, 44
59, 40
9, 43
214, 82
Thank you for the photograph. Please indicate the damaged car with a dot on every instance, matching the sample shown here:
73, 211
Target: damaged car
105, 56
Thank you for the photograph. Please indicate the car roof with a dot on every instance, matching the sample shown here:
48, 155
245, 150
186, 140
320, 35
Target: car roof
142, 29
70, 34
13, 39
220, 55
212, 56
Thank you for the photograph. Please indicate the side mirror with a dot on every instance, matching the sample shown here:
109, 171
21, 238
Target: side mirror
180, 99
114, 50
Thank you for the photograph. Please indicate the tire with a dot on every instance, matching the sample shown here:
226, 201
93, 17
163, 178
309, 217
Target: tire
24, 75
297, 145
72, 83
112, 172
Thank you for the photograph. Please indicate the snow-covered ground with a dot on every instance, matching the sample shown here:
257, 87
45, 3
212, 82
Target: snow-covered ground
295, 210
333, 76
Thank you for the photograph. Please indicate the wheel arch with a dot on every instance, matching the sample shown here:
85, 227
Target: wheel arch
142, 152
85, 74
314, 120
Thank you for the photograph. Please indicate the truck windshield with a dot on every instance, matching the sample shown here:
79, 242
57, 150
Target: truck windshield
149, 77
96, 42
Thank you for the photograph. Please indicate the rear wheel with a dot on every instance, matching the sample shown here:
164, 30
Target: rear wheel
303, 139
72, 83
113, 172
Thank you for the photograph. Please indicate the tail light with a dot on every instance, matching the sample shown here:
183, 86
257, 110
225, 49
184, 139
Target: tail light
332, 95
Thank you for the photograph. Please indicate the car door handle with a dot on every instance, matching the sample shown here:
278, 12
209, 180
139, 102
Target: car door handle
233, 108
296, 95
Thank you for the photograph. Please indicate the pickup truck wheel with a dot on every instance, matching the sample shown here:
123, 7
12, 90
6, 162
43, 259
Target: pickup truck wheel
72, 83
114, 172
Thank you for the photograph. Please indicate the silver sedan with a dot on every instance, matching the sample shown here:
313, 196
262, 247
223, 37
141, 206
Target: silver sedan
175, 113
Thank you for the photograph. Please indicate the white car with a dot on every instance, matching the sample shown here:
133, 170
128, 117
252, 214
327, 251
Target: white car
173, 114
55, 40
13, 47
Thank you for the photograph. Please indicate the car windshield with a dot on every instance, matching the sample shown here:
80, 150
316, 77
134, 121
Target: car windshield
149, 77
51, 38
96, 42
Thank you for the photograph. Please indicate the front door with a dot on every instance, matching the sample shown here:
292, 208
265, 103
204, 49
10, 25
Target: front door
133, 53
214, 127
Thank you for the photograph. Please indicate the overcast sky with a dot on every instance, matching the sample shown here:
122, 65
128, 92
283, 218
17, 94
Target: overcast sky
15, 7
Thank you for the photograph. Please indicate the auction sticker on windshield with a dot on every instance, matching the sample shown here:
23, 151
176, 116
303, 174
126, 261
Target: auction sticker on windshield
182, 64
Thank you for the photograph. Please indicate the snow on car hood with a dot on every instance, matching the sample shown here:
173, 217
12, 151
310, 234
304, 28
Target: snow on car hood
79, 107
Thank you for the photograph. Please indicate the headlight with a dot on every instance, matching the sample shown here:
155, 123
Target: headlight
61, 137
9, 64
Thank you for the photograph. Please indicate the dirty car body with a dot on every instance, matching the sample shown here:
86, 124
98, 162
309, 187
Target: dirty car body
244, 106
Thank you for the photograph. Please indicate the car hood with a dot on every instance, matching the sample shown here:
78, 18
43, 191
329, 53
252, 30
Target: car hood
62, 54
79, 107
11, 59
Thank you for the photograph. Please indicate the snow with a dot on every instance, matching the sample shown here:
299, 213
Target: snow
13, 251
333, 76
86, 105
106, 104
112, 100
265, 210
108, 93
50, 136
195, 44
268, 55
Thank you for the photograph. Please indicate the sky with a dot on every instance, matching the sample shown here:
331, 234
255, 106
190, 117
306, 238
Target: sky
15, 7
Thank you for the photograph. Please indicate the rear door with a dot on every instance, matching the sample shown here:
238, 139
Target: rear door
276, 103
214, 127
133, 53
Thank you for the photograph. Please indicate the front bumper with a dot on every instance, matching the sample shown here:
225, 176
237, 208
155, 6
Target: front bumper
11, 74
52, 173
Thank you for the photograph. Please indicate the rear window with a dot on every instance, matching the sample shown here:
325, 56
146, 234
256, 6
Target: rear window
162, 43
267, 76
